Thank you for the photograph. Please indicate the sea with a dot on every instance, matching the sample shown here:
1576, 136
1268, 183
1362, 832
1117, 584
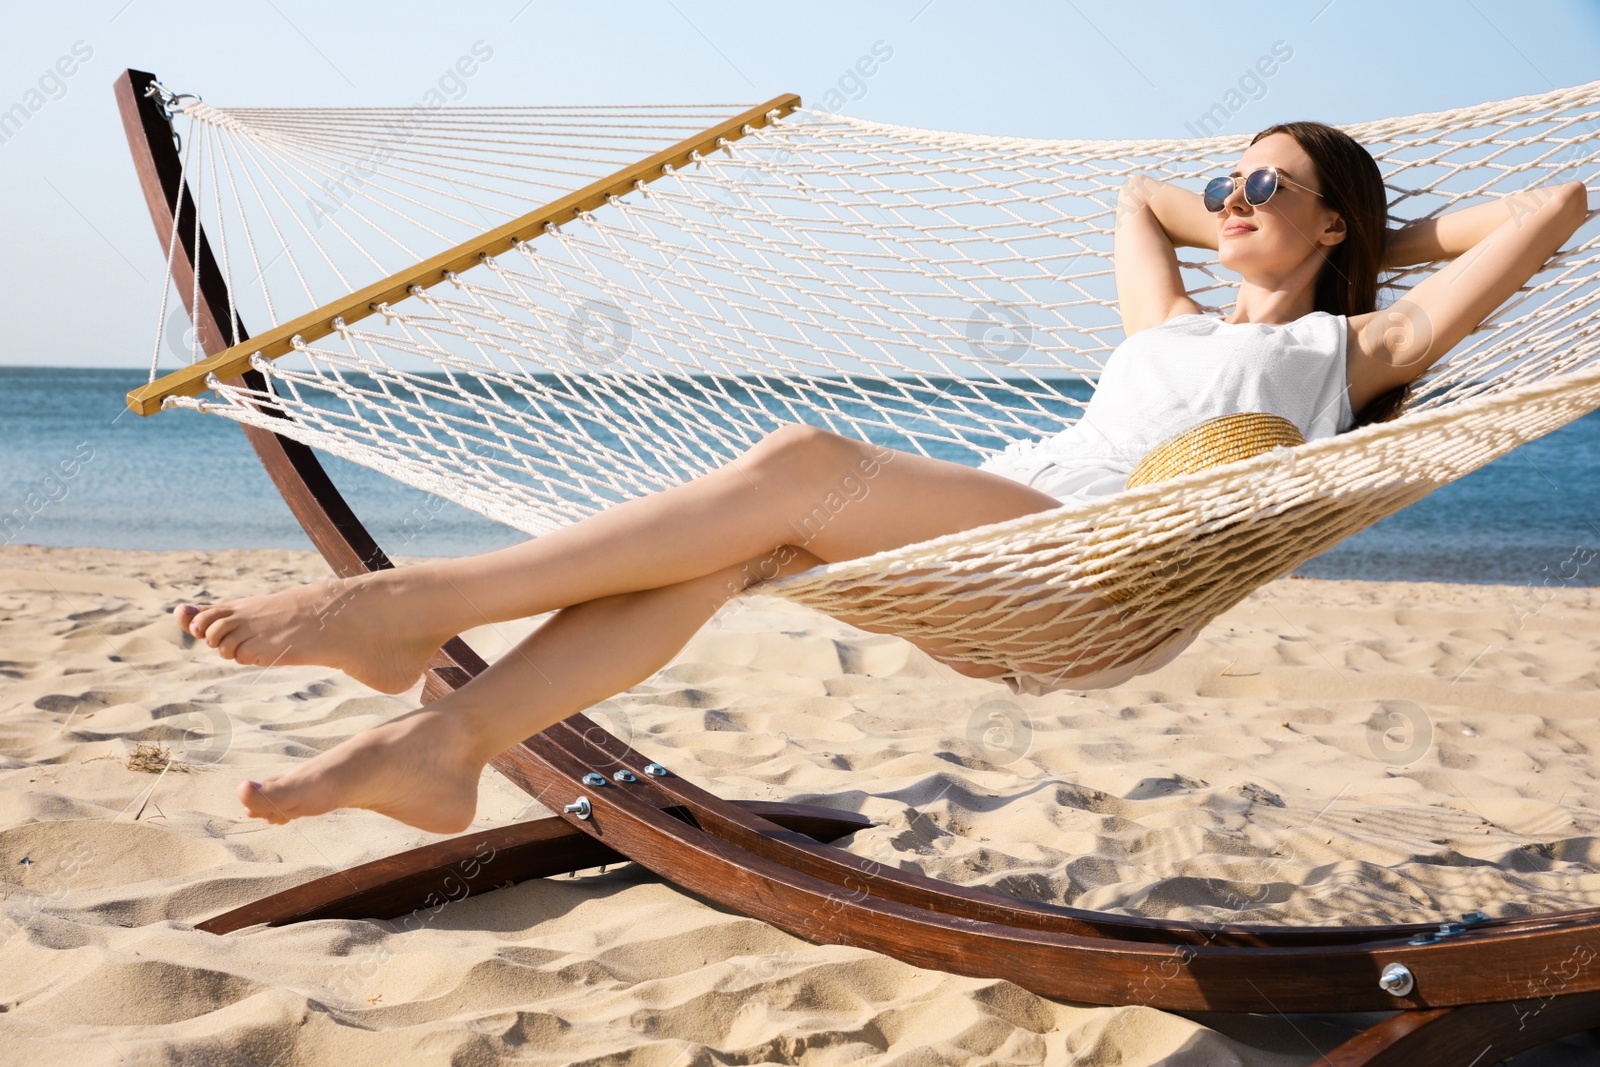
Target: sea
78, 469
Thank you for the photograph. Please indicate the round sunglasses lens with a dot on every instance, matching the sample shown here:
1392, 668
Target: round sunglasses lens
1259, 187
1217, 192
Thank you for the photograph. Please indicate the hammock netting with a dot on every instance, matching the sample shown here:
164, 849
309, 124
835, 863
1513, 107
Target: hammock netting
938, 293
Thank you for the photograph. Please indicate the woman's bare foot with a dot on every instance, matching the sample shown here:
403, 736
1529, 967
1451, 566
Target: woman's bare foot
368, 627
419, 768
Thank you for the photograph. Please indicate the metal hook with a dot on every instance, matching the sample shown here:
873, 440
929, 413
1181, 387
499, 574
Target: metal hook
168, 101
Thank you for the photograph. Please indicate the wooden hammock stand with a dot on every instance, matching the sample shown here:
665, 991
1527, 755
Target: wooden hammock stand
1471, 992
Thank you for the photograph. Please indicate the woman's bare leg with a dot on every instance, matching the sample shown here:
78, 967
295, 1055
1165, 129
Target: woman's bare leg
423, 767
837, 497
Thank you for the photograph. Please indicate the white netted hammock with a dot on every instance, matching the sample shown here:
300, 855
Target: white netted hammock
938, 293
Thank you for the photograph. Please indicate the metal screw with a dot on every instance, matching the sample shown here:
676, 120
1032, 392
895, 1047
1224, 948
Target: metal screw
1474, 917
579, 807
625, 775
594, 779
655, 769
1397, 980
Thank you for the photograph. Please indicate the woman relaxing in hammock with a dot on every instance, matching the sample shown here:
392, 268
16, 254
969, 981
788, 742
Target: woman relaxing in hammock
1302, 221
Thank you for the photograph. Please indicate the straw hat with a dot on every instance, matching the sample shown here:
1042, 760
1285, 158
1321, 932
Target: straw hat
1226, 439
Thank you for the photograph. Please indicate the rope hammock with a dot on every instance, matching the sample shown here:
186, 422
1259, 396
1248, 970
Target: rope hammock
939, 293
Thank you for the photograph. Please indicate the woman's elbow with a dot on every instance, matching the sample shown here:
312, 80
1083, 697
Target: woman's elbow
1136, 185
1576, 205
1134, 195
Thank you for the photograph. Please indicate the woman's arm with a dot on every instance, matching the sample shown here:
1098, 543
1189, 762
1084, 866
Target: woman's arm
1494, 249
1153, 220
1456, 232
1182, 215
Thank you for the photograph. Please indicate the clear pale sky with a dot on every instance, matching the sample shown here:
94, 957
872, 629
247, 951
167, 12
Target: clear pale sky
80, 275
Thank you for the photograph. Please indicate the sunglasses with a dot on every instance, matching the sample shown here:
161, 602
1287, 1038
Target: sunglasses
1259, 185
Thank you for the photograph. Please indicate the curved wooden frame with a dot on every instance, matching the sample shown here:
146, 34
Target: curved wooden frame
768, 860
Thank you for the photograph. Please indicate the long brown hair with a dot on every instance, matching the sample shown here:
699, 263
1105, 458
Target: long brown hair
1351, 186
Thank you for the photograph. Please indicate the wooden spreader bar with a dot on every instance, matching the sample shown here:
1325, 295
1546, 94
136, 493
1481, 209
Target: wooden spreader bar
314, 325
1482, 991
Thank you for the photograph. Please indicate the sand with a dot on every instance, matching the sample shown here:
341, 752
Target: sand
1253, 767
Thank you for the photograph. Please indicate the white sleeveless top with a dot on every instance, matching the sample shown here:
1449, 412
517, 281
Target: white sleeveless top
1163, 380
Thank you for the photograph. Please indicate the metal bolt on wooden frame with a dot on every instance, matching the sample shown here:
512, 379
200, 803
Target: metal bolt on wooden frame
1481, 990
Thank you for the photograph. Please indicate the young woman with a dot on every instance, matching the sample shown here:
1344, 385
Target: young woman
1301, 219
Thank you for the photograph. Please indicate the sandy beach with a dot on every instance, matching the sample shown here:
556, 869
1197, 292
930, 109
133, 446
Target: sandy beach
1340, 752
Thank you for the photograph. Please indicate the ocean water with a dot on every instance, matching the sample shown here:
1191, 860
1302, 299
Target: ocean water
77, 468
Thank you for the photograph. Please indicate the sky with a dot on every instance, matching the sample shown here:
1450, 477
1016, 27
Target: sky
81, 278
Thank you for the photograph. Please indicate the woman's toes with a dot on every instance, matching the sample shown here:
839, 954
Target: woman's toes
205, 618
253, 795
251, 653
229, 649
217, 633
248, 797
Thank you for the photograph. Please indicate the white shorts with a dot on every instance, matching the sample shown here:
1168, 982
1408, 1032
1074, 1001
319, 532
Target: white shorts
1069, 480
